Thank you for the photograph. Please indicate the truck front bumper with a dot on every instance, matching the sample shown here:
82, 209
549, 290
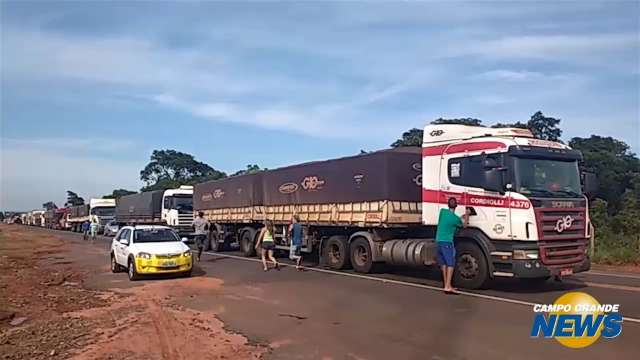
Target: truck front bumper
529, 269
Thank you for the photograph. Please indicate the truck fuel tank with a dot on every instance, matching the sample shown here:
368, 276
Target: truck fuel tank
410, 252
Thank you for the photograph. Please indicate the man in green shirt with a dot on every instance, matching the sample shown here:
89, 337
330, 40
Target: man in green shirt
448, 224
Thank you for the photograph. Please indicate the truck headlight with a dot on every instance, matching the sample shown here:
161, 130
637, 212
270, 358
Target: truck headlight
144, 255
187, 253
525, 254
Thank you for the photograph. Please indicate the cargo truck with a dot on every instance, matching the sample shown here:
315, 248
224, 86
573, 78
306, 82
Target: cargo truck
56, 219
36, 218
172, 207
529, 217
100, 210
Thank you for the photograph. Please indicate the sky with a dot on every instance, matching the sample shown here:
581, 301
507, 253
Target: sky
90, 89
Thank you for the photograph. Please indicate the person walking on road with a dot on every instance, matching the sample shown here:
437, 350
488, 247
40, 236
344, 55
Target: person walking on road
266, 244
295, 229
85, 229
200, 226
94, 228
448, 224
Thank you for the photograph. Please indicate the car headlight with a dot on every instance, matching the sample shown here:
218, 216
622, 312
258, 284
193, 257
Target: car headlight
144, 255
187, 253
525, 254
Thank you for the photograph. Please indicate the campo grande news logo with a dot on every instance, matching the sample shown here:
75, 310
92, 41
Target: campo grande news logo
576, 320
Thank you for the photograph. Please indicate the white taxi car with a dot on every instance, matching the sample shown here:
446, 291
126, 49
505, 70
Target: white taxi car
147, 249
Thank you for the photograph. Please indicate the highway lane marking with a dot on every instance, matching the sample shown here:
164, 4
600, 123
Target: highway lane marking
402, 283
626, 276
606, 286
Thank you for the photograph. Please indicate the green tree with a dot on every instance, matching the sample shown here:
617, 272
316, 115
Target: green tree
544, 127
73, 199
251, 168
49, 205
458, 121
413, 137
117, 193
170, 168
617, 169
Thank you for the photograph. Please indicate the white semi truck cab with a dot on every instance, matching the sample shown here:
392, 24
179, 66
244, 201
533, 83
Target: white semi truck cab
102, 211
529, 212
177, 208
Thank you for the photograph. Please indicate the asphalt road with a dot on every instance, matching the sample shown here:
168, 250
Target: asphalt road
398, 314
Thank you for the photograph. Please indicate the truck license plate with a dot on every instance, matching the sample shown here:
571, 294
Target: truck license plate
565, 272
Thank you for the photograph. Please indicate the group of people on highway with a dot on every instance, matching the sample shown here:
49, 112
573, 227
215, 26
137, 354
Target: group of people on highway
90, 228
448, 224
265, 244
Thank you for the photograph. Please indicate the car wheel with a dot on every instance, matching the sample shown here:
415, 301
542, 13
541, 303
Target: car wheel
115, 267
133, 274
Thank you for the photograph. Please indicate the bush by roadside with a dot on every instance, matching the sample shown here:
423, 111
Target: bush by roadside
617, 236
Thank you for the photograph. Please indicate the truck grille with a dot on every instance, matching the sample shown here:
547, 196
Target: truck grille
185, 219
559, 254
561, 224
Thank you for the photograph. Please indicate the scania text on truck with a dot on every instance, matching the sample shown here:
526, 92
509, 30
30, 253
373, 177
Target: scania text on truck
529, 215
171, 207
100, 210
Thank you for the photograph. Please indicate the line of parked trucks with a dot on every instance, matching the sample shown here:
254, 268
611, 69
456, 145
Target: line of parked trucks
526, 196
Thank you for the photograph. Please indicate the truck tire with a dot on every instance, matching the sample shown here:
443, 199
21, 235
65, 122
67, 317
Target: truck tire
336, 254
361, 256
131, 271
471, 271
247, 243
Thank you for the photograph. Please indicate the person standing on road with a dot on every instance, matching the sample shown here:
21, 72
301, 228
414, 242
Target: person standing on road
94, 228
85, 229
200, 226
448, 224
266, 244
295, 229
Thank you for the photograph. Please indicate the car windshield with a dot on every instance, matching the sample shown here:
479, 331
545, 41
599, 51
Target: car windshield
547, 178
103, 211
182, 203
154, 235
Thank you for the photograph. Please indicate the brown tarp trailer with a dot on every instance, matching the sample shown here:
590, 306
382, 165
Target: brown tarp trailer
382, 187
232, 192
141, 207
383, 175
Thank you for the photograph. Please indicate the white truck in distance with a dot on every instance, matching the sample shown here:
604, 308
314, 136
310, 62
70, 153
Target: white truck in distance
171, 207
100, 210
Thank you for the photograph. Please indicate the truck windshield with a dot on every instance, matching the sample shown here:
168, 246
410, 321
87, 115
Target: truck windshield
103, 211
181, 203
547, 178
154, 235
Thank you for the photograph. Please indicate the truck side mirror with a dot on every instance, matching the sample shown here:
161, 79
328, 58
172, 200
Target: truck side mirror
589, 184
493, 180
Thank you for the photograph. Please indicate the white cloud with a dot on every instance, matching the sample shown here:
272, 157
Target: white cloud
32, 175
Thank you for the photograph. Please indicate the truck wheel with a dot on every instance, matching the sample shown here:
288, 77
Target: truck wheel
471, 271
361, 256
133, 274
336, 253
247, 243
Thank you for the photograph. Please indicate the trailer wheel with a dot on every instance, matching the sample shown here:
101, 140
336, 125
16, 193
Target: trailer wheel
336, 253
247, 243
471, 271
362, 256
